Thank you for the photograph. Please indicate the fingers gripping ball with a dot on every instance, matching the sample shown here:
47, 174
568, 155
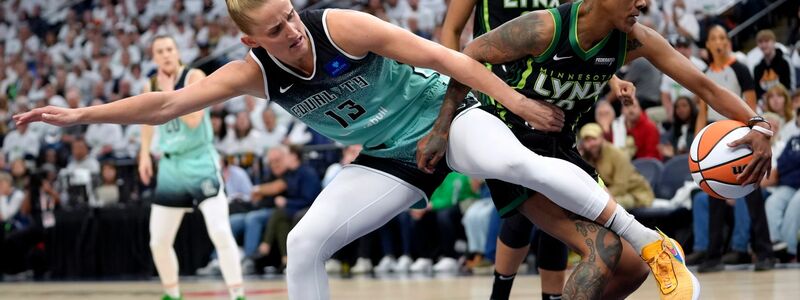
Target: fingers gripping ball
714, 165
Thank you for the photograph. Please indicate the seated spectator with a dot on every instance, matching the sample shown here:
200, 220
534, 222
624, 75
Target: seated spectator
628, 187
21, 143
80, 173
295, 188
647, 79
10, 201
238, 185
273, 133
604, 115
776, 100
108, 191
681, 133
242, 143
783, 205
476, 227
792, 127
19, 174
672, 90
106, 140
774, 68
644, 133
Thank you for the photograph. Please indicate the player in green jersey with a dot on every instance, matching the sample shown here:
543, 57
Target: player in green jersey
188, 176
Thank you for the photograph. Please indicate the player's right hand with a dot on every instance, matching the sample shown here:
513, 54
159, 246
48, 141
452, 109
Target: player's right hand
59, 116
541, 115
145, 169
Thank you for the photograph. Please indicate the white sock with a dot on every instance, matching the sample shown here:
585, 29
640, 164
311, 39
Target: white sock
235, 292
626, 226
173, 291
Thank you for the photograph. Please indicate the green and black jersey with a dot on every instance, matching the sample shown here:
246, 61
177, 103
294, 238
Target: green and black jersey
490, 14
565, 74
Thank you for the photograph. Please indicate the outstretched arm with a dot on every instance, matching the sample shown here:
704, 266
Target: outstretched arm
235, 78
644, 42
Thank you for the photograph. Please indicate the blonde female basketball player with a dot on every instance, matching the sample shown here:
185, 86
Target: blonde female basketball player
351, 77
188, 175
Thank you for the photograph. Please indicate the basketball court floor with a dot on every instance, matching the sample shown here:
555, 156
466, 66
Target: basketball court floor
783, 283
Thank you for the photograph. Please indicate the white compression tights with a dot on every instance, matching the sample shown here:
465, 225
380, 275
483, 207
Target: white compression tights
481, 146
164, 224
357, 201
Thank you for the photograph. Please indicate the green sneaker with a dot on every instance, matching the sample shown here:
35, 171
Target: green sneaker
168, 297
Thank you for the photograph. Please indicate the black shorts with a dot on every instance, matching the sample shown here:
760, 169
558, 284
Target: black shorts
427, 183
508, 197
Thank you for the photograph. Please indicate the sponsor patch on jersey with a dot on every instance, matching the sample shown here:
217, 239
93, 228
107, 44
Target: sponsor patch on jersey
337, 66
604, 61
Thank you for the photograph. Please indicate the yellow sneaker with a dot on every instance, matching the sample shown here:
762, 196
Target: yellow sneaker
666, 260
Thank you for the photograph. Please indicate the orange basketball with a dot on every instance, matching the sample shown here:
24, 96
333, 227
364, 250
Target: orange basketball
714, 165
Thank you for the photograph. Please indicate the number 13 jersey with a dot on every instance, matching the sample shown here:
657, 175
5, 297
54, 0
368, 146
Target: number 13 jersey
377, 102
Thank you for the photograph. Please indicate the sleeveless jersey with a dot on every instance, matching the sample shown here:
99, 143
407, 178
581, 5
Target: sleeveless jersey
377, 102
490, 14
565, 74
175, 137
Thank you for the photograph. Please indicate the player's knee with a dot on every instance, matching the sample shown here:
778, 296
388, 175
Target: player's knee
522, 165
221, 237
158, 245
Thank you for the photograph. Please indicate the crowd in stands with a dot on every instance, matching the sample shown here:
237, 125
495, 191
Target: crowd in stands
82, 53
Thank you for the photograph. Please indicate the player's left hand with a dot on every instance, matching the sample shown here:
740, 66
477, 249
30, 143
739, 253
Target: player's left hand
761, 164
430, 150
623, 90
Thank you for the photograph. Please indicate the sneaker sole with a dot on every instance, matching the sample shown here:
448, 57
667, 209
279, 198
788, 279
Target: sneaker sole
696, 289
695, 282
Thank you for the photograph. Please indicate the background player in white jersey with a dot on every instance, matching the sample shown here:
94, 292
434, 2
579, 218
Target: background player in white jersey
188, 176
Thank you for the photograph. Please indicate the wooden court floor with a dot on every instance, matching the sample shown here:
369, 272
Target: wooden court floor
728, 285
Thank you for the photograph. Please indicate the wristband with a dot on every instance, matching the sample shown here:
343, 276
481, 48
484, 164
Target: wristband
758, 119
763, 131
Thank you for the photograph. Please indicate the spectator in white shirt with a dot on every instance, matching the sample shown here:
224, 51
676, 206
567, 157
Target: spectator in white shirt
20, 143
272, 133
106, 140
10, 199
81, 160
242, 138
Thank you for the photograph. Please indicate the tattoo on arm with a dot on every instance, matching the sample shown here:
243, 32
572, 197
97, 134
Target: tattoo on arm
513, 40
633, 44
456, 92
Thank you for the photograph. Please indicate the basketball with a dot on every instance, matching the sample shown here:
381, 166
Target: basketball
714, 165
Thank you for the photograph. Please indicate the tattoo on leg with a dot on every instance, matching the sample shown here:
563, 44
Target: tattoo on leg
586, 282
609, 247
590, 276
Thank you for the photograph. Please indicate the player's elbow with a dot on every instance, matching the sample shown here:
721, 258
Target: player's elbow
167, 110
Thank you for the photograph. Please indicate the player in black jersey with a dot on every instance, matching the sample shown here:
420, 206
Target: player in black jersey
514, 239
565, 56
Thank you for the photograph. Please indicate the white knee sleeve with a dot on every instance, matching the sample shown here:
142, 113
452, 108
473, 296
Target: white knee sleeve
215, 213
358, 201
481, 146
164, 224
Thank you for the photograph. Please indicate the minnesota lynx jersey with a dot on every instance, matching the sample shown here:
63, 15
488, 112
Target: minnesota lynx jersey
175, 136
375, 101
490, 14
565, 74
